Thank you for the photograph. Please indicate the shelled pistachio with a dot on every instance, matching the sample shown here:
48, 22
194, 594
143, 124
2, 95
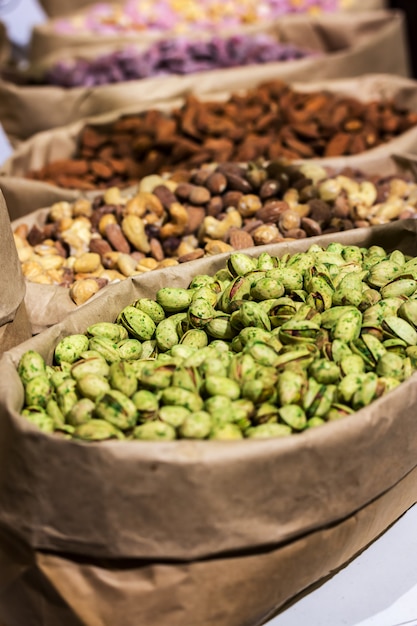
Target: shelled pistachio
184, 216
289, 356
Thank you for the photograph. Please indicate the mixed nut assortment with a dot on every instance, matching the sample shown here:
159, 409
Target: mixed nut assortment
172, 56
170, 15
187, 215
266, 347
269, 121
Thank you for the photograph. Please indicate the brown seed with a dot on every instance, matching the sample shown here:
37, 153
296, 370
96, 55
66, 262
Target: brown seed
199, 195
198, 253
216, 183
240, 239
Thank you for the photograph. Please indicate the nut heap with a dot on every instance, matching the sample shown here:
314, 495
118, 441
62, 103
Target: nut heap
269, 121
87, 244
266, 347
175, 56
170, 15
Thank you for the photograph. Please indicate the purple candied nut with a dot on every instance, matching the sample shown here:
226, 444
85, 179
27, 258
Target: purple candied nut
173, 56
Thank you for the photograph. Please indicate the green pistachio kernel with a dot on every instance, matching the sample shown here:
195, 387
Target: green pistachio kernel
265, 431
38, 391
30, 366
154, 431
197, 425
70, 348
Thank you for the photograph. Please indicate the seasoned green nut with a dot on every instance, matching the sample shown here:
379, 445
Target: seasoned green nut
112, 331
197, 425
399, 287
115, 407
129, 349
123, 378
218, 406
352, 364
239, 264
156, 375
106, 348
348, 326
391, 365
294, 416
151, 308
147, 404
366, 392
397, 327
67, 395
37, 416
349, 385
166, 333
225, 432
38, 391
30, 366
70, 348
222, 386
173, 415
138, 323
174, 299
220, 328
290, 386
261, 353
186, 378
182, 397
298, 331
315, 421
266, 431
81, 412
58, 377
337, 411
97, 430
149, 349
94, 365
53, 410
154, 431
194, 338
92, 386
324, 371
200, 313
266, 288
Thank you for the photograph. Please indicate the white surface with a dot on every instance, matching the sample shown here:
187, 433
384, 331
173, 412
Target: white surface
379, 588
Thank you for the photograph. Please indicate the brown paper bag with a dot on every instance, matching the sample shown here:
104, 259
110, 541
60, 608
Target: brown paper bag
61, 143
351, 44
41, 589
173, 546
14, 323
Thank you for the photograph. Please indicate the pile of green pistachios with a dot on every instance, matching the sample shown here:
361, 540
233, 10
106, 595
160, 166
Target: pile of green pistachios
266, 347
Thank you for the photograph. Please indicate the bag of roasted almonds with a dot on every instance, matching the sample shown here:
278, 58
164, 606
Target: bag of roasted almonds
70, 251
145, 423
341, 122
68, 85
14, 323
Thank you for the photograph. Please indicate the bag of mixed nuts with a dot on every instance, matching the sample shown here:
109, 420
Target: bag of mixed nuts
14, 323
347, 45
165, 541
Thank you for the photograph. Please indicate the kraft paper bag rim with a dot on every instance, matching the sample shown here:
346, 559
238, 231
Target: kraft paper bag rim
238, 589
363, 40
157, 499
48, 146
